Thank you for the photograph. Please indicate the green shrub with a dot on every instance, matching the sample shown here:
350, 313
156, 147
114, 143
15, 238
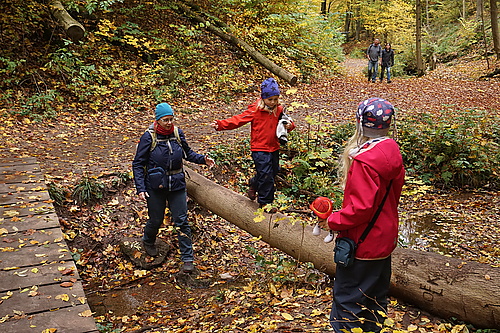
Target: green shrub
57, 193
88, 190
456, 148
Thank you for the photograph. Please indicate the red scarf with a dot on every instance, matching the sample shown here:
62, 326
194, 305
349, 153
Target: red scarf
162, 130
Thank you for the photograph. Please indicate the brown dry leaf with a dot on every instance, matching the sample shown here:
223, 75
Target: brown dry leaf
66, 284
86, 313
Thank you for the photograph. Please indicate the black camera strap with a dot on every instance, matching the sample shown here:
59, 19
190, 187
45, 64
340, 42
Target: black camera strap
375, 217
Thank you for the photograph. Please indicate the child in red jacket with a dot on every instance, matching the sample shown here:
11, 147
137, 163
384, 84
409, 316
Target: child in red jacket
263, 115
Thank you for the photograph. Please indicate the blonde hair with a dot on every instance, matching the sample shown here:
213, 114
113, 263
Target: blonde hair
355, 142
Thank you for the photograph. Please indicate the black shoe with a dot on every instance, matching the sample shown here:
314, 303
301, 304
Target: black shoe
150, 249
388, 81
373, 81
188, 267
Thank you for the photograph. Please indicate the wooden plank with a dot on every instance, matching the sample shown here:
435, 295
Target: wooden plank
20, 278
26, 209
22, 223
8, 199
21, 178
10, 160
27, 256
67, 320
31, 237
20, 168
21, 188
44, 298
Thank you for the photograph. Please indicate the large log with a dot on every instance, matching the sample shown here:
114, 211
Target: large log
73, 28
444, 286
252, 52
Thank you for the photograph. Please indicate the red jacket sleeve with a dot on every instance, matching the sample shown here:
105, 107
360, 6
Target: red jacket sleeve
237, 120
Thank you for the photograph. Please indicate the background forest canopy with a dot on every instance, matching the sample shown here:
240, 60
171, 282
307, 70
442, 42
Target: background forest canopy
149, 51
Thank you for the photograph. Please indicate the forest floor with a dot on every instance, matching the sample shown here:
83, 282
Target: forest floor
247, 286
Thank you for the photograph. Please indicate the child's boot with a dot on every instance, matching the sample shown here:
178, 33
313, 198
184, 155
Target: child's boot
329, 237
316, 230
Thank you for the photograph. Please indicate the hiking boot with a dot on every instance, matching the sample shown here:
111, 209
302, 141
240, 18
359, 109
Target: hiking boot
188, 267
388, 81
316, 230
251, 193
329, 237
150, 249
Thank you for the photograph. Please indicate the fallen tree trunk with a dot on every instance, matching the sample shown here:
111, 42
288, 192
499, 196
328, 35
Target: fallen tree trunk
73, 28
252, 52
447, 287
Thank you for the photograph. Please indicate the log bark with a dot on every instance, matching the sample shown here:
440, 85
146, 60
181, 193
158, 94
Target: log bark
73, 28
252, 52
444, 286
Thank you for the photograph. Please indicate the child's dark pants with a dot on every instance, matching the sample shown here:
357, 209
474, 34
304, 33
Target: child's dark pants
360, 291
267, 167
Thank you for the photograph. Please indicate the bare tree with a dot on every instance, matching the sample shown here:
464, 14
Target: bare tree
494, 27
418, 38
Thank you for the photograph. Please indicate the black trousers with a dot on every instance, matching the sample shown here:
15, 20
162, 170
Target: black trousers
360, 291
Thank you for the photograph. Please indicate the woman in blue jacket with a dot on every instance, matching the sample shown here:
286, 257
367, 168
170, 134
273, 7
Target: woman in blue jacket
159, 178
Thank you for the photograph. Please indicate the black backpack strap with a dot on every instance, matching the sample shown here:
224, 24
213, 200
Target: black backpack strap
375, 217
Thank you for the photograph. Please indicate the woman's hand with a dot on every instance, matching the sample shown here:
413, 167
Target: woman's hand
209, 161
143, 196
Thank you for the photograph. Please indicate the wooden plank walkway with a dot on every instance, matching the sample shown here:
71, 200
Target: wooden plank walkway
40, 288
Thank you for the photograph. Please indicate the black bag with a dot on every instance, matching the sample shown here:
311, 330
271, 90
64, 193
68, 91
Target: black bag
344, 252
156, 178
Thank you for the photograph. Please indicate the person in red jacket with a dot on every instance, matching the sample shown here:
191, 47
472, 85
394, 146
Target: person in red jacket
371, 165
264, 115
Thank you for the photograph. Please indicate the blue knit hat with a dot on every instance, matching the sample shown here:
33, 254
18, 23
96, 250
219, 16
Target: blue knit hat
162, 110
269, 88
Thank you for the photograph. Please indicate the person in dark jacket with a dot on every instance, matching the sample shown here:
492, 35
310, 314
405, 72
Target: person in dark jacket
373, 54
371, 166
159, 178
387, 62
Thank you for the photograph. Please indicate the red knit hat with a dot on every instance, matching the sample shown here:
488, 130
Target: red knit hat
322, 207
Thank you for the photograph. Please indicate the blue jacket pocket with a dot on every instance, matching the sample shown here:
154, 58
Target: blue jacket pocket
157, 178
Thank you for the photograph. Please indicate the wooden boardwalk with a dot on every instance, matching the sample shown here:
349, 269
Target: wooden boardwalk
40, 289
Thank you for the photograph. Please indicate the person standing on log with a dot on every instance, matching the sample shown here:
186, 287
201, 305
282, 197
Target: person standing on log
159, 178
263, 115
386, 62
371, 166
373, 53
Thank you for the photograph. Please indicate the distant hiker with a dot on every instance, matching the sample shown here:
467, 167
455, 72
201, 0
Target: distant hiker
372, 174
387, 62
373, 53
159, 178
263, 115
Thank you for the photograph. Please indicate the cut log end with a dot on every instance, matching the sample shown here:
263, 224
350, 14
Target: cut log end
75, 32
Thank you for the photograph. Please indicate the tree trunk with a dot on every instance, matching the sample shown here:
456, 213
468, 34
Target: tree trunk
73, 28
479, 10
494, 28
257, 56
418, 38
447, 287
